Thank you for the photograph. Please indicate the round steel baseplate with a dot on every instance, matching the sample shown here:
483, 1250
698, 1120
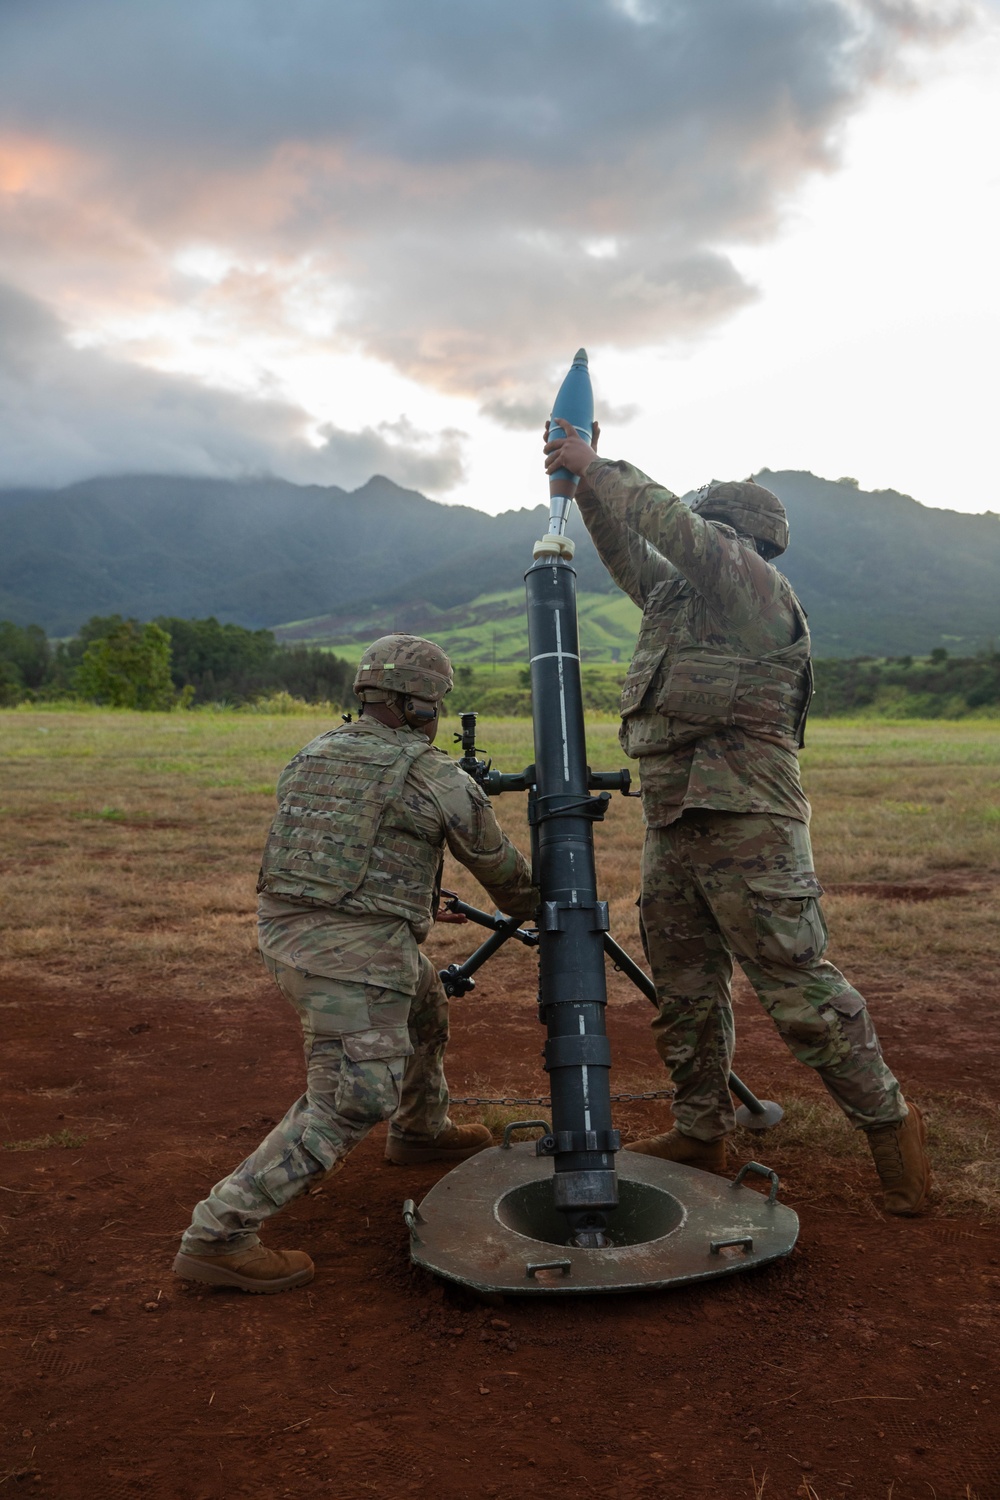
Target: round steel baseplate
491, 1225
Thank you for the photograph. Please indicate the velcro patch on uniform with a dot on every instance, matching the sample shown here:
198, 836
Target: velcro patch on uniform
700, 688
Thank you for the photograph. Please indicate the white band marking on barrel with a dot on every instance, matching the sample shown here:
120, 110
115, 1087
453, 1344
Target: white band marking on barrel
566, 655
585, 1080
559, 654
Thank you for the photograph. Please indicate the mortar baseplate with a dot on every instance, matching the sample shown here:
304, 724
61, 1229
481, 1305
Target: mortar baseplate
490, 1224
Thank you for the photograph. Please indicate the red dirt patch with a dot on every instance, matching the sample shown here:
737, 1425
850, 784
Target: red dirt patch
864, 1362
885, 891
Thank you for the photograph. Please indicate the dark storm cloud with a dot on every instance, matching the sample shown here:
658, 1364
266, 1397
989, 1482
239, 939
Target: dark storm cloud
482, 187
67, 412
442, 81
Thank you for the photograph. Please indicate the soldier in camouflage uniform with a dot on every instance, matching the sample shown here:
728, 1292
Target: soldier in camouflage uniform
714, 707
348, 887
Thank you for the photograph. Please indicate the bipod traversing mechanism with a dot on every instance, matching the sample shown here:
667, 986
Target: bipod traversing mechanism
505, 1220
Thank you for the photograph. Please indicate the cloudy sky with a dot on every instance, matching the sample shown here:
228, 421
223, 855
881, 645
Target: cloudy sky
328, 238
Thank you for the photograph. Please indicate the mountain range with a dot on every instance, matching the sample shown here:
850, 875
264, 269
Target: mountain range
878, 573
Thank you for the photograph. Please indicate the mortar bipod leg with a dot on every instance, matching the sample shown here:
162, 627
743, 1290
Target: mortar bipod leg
753, 1113
457, 978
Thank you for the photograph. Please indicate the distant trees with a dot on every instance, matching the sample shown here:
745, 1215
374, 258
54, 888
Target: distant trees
228, 663
938, 686
172, 662
217, 661
165, 663
25, 660
128, 667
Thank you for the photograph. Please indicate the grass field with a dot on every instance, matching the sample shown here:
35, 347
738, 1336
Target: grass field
131, 843
137, 835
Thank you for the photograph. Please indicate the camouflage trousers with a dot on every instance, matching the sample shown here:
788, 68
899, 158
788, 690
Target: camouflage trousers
718, 886
371, 1055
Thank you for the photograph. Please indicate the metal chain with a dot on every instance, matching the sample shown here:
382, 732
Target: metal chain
615, 1098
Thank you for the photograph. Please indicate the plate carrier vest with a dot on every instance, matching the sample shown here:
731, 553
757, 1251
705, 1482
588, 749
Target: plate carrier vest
679, 689
332, 837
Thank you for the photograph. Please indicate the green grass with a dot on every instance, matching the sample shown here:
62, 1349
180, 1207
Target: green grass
861, 759
220, 748
889, 746
62, 1140
149, 827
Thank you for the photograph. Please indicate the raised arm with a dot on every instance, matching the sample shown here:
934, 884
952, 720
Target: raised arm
634, 565
731, 575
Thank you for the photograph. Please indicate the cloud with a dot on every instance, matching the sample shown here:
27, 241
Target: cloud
67, 413
417, 460
528, 413
463, 191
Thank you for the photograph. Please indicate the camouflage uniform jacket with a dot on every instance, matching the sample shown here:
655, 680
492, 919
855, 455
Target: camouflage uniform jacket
360, 910
719, 619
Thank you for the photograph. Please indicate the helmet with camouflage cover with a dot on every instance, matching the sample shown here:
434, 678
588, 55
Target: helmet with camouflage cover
404, 665
749, 508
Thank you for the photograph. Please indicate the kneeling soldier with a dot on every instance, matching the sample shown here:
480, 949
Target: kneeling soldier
348, 888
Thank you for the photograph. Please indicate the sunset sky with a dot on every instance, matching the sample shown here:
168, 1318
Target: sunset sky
330, 238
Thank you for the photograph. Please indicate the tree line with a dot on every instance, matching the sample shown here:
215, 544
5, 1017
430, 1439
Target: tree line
937, 686
164, 663
170, 662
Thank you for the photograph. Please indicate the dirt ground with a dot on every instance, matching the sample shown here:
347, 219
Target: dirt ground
863, 1366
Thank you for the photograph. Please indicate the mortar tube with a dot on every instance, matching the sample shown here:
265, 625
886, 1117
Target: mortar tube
572, 982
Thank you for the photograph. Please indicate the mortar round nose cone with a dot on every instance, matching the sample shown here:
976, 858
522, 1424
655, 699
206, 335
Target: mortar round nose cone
580, 357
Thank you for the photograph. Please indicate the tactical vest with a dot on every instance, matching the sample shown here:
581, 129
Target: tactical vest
333, 839
679, 688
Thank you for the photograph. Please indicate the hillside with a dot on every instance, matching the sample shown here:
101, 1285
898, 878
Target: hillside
255, 552
882, 575
878, 573
490, 628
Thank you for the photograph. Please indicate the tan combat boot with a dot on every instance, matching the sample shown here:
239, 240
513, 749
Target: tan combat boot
453, 1143
710, 1156
900, 1155
252, 1270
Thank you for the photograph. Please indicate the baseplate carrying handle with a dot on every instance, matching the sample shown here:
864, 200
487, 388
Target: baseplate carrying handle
742, 1242
534, 1266
411, 1216
762, 1171
542, 1125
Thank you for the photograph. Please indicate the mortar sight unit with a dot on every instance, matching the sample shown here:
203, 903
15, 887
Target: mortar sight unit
614, 1223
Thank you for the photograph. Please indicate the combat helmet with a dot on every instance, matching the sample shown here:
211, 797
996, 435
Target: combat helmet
749, 508
407, 666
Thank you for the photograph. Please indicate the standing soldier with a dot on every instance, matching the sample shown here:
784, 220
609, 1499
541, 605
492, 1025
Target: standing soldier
348, 888
714, 707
